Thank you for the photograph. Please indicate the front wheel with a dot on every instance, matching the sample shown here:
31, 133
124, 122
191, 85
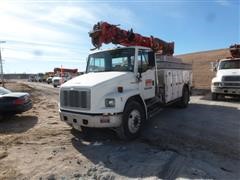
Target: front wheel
132, 121
183, 103
214, 96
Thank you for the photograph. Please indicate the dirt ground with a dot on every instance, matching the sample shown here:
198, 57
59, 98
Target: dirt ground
202, 141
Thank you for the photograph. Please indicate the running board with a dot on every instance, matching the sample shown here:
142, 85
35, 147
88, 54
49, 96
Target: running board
152, 102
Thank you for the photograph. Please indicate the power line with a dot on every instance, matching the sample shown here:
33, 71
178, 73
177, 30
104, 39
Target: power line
1, 64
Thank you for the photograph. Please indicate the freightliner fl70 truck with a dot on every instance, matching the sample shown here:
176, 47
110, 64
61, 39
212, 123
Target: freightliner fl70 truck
125, 86
227, 80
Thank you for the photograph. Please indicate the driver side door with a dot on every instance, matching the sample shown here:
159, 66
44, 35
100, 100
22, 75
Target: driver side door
147, 80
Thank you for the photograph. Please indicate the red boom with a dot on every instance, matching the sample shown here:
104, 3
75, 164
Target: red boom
235, 50
107, 33
65, 70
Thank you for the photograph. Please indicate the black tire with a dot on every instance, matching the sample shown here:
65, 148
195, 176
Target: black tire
214, 96
54, 85
132, 121
183, 103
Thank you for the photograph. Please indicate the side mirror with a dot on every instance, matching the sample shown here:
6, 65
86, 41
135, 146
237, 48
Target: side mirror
139, 76
214, 66
140, 70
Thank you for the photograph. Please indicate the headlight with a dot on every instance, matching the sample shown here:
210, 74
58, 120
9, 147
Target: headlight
110, 102
217, 84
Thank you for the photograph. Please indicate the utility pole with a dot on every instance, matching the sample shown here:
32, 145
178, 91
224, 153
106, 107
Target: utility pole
1, 64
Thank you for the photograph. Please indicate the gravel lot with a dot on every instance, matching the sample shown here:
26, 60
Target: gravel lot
202, 141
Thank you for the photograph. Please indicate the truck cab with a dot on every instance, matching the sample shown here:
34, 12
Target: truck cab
120, 90
227, 80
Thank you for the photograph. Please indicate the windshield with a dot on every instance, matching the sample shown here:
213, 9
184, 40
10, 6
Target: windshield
4, 91
230, 64
114, 60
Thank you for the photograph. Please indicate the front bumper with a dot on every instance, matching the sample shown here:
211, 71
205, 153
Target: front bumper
56, 83
25, 107
16, 108
225, 90
77, 120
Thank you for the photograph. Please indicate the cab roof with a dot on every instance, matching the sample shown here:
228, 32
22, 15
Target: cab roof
118, 47
229, 59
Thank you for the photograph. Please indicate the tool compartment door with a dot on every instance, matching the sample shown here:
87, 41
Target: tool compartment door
168, 85
174, 85
179, 83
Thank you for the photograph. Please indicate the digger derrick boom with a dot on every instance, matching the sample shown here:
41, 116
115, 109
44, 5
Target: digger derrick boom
65, 70
104, 32
235, 50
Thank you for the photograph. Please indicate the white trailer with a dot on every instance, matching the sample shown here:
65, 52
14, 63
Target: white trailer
122, 88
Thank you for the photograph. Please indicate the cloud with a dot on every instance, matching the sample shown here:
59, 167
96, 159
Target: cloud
111, 13
223, 2
42, 53
69, 13
14, 27
54, 31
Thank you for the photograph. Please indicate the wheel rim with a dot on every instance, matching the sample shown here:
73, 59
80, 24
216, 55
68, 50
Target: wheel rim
134, 121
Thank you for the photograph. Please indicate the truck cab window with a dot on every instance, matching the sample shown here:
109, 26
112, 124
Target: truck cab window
230, 64
115, 60
143, 60
97, 64
122, 64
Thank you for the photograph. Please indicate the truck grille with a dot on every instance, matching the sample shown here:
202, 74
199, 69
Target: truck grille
227, 84
75, 99
231, 78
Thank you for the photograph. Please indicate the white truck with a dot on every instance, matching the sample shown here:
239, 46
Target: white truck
57, 81
122, 88
227, 80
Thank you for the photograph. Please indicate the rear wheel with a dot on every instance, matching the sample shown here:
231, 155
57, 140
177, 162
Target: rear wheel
183, 103
132, 121
214, 96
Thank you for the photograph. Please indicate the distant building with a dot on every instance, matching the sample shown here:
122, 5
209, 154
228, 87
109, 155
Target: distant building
17, 76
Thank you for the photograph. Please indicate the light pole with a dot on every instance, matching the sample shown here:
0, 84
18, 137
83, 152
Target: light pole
1, 64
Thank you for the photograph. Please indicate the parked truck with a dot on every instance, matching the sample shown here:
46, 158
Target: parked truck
62, 75
125, 86
227, 80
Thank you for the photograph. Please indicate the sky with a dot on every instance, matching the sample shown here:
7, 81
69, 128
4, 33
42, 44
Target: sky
40, 35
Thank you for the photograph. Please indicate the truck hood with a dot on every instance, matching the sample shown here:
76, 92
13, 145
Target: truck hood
228, 72
225, 72
92, 79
